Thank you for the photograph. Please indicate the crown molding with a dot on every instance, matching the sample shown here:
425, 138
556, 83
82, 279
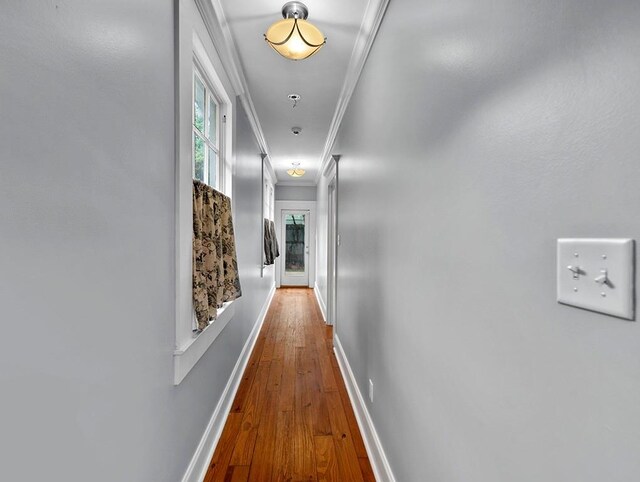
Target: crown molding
368, 29
218, 27
296, 183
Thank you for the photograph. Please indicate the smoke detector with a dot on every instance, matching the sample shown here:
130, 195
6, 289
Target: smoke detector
296, 130
295, 98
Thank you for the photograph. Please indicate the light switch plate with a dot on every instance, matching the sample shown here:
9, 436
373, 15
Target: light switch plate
597, 275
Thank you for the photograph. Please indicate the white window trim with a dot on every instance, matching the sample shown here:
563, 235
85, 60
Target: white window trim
268, 201
190, 346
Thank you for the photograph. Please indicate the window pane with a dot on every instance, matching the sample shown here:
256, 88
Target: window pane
198, 157
294, 253
212, 121
198, 103
213, 167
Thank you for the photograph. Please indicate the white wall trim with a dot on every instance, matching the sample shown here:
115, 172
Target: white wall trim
218, 27
377, 456
199, 464
329, 170
269, 169
321, 304
296, 183
368, 29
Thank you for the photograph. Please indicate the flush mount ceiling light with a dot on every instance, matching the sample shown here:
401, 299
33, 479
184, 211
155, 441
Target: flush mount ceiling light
295, 171
294, 37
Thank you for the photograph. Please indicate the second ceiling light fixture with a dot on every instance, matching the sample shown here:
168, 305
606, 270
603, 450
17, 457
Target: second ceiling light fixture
295, 170
294, 37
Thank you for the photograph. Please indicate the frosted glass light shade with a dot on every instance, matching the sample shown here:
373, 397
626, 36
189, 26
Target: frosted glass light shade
296, 172
294, 38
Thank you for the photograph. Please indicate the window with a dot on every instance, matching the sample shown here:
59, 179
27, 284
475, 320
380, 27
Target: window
268, 207
206, 131
206, 124
205, 152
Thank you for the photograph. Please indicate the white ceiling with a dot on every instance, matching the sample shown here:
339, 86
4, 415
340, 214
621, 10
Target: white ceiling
318, 80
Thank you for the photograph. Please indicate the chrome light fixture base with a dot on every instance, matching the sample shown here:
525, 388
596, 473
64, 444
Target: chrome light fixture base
295, 10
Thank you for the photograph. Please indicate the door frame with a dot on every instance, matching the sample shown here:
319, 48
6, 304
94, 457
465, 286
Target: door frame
332, 249
300, 206
295, 279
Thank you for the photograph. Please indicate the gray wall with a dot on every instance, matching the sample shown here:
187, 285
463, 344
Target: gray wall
295, 193
87, 248
479, 133
247, 199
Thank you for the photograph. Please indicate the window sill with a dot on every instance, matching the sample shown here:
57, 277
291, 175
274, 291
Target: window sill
187, 355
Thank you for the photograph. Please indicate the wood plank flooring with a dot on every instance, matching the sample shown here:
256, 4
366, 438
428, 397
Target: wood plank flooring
291, 419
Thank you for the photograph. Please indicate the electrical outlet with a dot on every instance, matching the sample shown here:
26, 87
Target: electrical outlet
370, 390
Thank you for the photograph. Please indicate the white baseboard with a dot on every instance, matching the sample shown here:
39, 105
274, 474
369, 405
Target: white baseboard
200, 461
323, 308
377, 457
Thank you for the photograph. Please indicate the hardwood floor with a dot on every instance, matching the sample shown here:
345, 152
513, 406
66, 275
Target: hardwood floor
291, 419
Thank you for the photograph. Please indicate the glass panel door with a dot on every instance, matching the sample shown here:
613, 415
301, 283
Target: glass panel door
295, 227
295, 245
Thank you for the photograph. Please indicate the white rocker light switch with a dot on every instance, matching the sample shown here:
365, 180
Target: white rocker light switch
597, 275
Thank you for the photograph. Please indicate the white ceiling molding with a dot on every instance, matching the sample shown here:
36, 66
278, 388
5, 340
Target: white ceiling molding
218, 27
367, 34
296, 183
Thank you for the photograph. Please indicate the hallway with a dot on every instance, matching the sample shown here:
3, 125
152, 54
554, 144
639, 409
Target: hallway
291, 419
452, 184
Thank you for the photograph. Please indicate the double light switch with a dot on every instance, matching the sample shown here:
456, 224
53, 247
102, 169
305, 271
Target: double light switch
597, 275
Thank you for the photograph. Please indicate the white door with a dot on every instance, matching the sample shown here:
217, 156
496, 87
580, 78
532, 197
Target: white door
295, 259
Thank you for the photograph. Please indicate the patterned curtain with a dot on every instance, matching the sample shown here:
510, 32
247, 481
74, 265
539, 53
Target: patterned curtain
215, 266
